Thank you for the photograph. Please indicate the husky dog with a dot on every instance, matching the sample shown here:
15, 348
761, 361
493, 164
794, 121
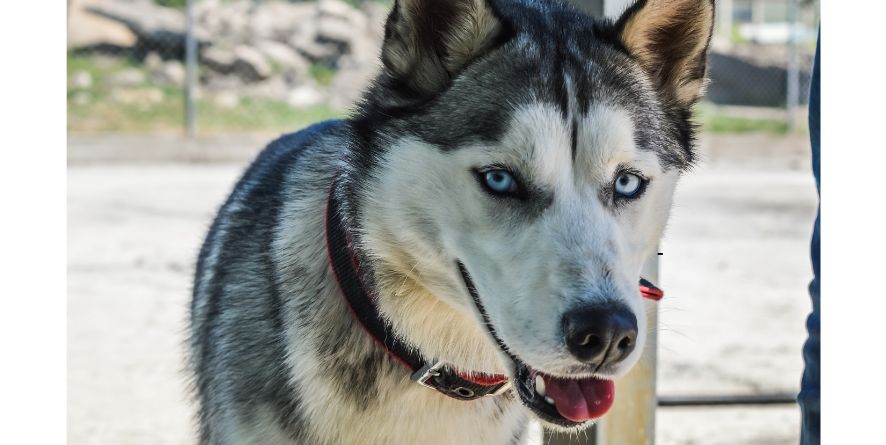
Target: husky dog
457, 262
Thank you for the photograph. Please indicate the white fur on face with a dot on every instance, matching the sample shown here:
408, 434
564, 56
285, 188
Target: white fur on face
531, 261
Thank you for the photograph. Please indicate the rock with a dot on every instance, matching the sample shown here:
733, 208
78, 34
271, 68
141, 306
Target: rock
305, 96
251, 64
364, 52
344, 12
258, 49
339, 23
283, 56
157, 28
218, 59
153, 61
171, 73
80, 80
349, 83
323, 53
335, 30
86, 29
207, 17
277, 20
128, 77
335, 8
144, 18
302, 33
215, 81
376, 15
356, 69
232, 22
245, 62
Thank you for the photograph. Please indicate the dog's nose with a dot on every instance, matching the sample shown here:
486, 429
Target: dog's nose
602, 335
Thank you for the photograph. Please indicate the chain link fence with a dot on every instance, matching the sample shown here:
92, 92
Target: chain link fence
761, 61
276, 65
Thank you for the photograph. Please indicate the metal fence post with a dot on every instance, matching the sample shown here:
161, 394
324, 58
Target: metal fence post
592, 7
792, 101
724, 18
614, 8
190, 70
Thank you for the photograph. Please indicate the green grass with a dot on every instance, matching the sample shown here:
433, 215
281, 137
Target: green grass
171, 3
152, 108
322, 74
359, 3
735, 35
259, 114
99, 67
713, 120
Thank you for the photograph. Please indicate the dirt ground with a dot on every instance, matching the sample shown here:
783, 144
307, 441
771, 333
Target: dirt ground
735, 269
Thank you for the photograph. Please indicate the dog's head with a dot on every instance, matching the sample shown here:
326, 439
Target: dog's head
514, 167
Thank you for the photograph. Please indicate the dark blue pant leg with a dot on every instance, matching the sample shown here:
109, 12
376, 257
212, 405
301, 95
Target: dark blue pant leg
810, 392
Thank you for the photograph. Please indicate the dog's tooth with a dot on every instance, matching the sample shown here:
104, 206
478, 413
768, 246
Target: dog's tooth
549, 400
540, 385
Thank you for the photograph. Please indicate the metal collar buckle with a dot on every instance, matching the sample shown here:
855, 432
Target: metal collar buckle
427, 372
504, 387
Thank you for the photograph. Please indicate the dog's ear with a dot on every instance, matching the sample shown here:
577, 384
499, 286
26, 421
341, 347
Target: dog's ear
427, 42
669, 38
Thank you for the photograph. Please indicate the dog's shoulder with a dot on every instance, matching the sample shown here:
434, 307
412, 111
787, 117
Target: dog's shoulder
246, 221
281, 154
264, 181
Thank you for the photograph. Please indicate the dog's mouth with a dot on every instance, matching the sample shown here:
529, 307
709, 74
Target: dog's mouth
566, 402
562, 401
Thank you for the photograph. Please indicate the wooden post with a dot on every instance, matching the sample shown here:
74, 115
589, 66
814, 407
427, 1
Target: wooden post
631, 421
632, 418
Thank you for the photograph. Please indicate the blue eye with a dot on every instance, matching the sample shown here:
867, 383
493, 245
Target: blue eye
628, 185
500, 182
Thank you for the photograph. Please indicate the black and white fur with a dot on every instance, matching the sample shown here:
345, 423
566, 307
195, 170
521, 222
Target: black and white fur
565, 101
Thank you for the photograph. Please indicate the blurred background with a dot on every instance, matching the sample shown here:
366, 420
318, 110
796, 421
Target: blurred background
166, 108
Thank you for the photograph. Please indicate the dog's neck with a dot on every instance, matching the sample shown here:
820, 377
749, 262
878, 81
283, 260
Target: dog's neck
433, 326
423, 320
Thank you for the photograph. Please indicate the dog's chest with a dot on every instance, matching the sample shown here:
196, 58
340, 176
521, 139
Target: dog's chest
423, 416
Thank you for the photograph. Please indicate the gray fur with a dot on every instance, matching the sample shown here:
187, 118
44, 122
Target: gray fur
276, 355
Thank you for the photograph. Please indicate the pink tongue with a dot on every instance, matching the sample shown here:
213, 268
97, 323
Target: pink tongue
580, 400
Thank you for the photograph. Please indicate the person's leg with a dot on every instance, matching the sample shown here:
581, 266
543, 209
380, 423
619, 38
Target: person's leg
810, 389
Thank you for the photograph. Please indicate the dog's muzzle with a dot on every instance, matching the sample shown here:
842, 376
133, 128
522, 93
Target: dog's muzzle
570, 401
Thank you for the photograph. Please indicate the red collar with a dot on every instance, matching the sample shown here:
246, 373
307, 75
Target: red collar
648, 290
435, 375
